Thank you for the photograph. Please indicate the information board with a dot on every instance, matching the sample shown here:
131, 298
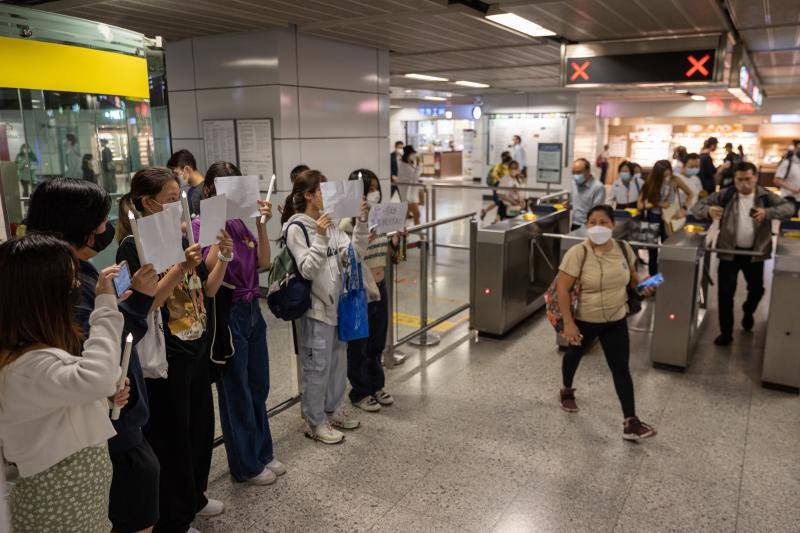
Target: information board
690, 66
548, 163
219, 139
533, 129
254, 142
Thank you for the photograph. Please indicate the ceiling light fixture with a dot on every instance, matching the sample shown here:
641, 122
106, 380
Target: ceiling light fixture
698, 97
434, 98
464, 83
424, 77
520, 24
681, 91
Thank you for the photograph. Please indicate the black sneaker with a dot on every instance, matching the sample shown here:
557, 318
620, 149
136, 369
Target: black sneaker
635, 429
723, 340
748, 322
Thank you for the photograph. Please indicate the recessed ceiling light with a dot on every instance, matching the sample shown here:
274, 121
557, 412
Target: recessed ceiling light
472, 84
698, 97
520, 24
681, 91
425, 77
434, 98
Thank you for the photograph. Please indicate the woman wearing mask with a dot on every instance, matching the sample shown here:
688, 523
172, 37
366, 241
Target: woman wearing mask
364, 369
679, 159
320, 252
26, 168
625, 191
409, 170
77, 211
605, 269
660, 194
181, 425
54, 420
244, 387
690, 175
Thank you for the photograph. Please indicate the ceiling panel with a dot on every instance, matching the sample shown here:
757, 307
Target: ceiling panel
772, 39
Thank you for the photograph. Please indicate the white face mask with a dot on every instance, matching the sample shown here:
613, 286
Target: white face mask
599, 234
399, 151
373, 197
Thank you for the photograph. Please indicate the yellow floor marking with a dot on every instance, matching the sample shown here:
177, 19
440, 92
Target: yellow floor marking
413, 321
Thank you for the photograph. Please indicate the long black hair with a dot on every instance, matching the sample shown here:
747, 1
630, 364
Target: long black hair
306, 181
218, 170
146, 183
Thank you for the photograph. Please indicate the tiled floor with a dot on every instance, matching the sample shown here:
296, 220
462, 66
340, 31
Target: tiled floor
476, 442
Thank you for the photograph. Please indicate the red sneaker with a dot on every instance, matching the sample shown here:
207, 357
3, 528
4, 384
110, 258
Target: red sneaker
568, 403
635, 429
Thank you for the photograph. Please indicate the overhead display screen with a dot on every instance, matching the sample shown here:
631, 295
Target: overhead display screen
655, 67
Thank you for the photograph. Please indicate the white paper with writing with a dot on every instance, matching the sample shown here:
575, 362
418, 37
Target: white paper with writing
242, 193
388, 217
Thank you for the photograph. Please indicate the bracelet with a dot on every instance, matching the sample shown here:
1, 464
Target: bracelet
223, 258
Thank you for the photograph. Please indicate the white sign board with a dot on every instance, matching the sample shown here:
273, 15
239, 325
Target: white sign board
242, 193
219, 137
342, 199
254, 138
388, 217
161, 239
215, 214
532, 130
548, 163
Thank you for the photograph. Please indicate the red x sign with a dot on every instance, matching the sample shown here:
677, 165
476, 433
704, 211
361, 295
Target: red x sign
697, 66
579, 71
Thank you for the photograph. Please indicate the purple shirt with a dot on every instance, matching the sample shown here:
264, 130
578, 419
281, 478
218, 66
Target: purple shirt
242, 272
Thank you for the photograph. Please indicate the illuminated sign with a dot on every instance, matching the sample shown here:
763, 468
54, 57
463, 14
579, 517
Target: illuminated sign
758, 96
744, 78
790, 118
689, 66
435, 112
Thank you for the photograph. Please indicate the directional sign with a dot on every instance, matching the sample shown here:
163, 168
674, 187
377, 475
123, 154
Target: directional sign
690, 66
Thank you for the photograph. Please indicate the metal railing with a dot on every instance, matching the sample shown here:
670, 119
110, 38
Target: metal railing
639, 244
423, 333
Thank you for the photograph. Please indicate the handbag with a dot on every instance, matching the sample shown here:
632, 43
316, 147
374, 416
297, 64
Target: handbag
353, 315
152, 349
634, 298
552, 310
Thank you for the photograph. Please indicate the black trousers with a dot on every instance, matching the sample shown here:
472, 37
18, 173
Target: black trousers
616, 347
364, 368
181, 432
727, 275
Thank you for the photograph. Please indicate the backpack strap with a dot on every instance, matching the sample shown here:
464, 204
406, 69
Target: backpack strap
305, 234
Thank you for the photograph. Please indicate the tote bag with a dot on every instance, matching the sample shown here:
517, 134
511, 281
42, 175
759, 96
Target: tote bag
151, 348
353, 316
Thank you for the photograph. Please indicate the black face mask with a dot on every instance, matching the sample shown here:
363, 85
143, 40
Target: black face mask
74, 296
102, 240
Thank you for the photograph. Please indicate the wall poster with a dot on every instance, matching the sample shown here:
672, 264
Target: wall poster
219, 138
254, 142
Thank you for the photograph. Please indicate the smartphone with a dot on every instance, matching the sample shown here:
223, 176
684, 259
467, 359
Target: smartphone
753, 212
123, 280
654, 281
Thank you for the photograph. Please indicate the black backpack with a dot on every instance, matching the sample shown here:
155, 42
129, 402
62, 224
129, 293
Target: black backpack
289, 294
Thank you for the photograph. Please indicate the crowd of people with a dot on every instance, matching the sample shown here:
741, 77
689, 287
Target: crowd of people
198, 324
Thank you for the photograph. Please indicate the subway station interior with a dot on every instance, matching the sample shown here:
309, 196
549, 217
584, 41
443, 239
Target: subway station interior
514, 118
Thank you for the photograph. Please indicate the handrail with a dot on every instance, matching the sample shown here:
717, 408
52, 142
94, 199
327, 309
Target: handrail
475, 187
434, 223
552, 195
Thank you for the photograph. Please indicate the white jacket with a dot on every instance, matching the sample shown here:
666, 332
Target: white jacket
53, 404
321, 262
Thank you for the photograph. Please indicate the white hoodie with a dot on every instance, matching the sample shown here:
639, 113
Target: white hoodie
322, 262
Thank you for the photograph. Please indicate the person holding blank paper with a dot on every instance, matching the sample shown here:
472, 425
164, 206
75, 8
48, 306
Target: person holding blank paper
244, 387
181, 425
319, 248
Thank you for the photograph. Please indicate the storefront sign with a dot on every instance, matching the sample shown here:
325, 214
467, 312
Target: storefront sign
435, 112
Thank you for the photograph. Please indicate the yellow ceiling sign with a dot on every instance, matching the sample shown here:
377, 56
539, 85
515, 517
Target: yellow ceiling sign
28, 64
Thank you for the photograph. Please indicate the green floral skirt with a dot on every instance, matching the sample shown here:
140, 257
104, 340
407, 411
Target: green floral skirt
69, 497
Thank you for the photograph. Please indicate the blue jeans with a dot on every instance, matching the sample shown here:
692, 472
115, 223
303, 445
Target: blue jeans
243, 394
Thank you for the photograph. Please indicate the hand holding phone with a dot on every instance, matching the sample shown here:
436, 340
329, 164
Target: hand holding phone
653, 281
122, 282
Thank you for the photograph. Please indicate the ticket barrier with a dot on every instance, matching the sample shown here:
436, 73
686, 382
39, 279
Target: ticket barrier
680, 309
621, 232
781, 365
513, 266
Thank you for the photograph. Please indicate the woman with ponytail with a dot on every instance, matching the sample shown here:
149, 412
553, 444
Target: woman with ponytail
181, 425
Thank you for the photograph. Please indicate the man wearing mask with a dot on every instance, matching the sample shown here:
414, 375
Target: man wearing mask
745, 212
708, 171
587, 192
787, 176
393, 158
184, 165
690, 171
518, 154
73, 161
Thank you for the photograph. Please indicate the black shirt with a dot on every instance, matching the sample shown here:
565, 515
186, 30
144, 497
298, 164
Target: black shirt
707, 172
184, 314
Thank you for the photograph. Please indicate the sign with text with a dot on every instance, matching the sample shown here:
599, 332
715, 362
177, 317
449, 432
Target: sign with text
254, 143
548, 163
690, 66
388, 217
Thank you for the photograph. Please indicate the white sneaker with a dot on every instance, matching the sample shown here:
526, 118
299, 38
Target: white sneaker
276, 467
384, 398
325, 434
341, 419
266, 477
212, 508
369, 404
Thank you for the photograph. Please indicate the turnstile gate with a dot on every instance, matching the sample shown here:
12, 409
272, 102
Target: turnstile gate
781, 365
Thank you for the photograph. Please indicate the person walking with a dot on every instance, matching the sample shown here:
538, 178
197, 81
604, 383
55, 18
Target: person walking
518, 154
605, 268
107, 167
745, 212
708, 172
409, 169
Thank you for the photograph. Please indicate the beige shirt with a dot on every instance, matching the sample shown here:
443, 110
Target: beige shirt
604, 281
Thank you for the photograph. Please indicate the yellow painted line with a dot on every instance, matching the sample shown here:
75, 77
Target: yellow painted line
414, 321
